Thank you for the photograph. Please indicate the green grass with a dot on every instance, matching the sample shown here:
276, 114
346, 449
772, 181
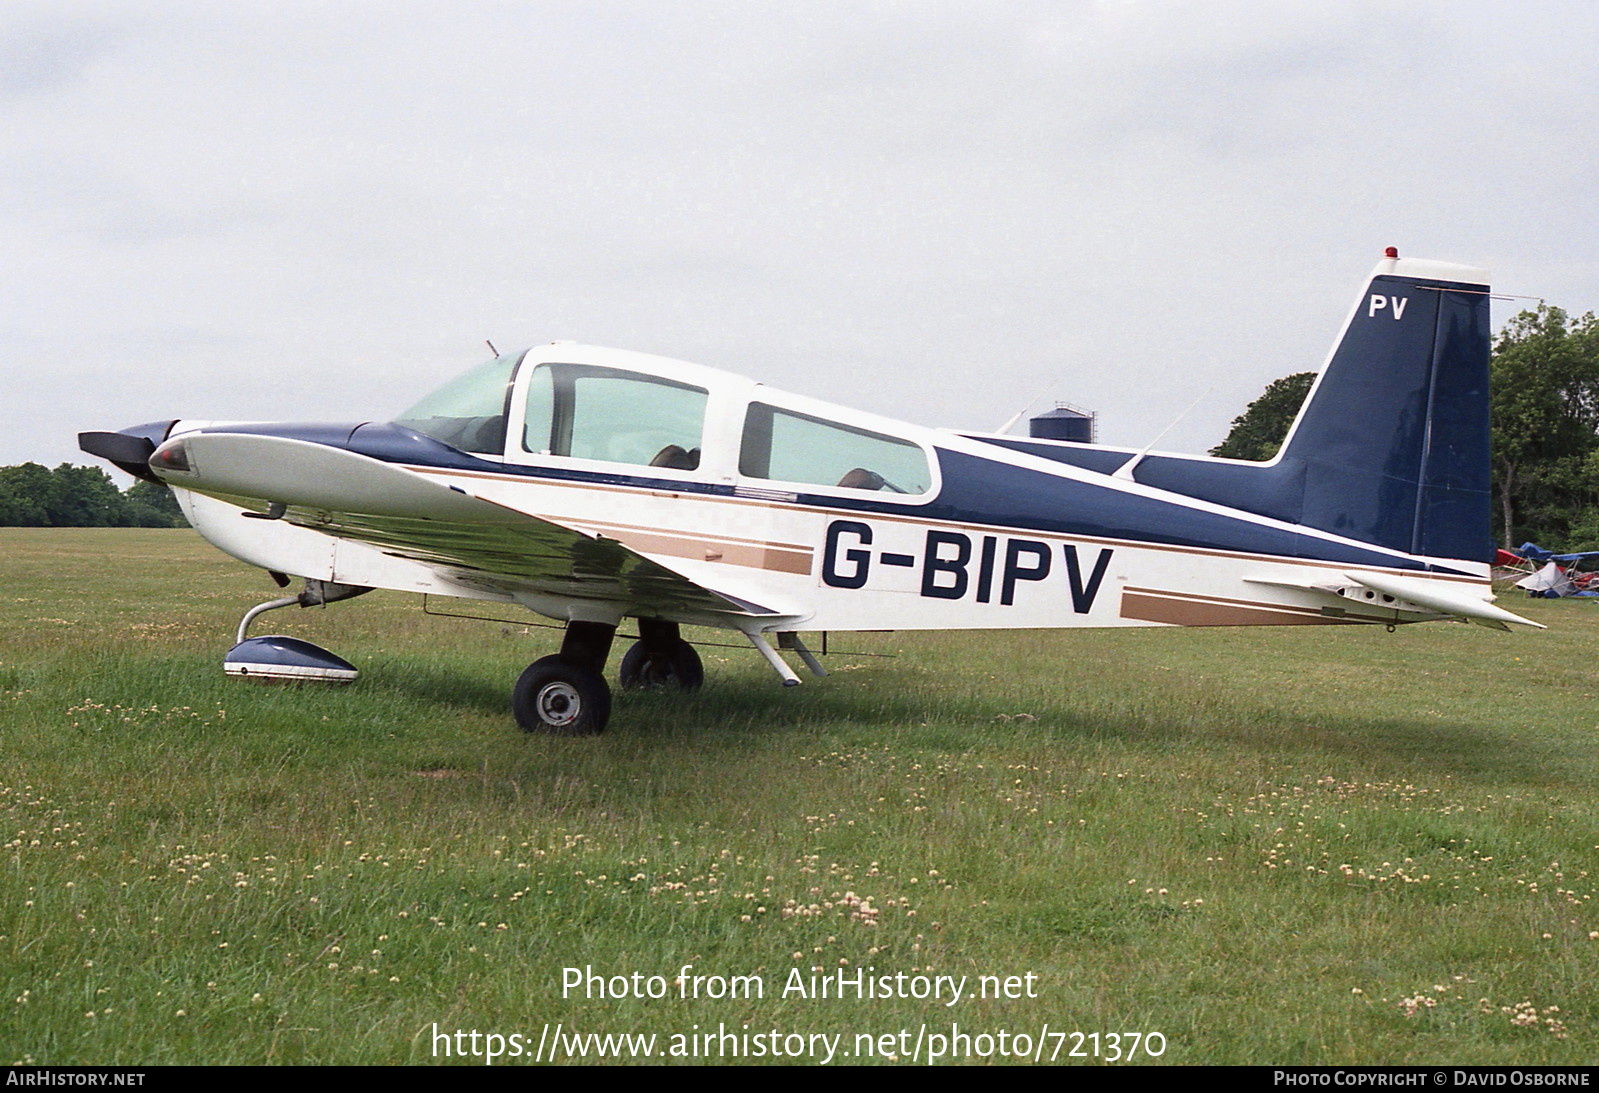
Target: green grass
1301, 845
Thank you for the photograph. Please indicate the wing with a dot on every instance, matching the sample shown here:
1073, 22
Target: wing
409, 515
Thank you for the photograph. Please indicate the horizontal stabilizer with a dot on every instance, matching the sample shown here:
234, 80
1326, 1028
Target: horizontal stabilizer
1442, 598
1408, 594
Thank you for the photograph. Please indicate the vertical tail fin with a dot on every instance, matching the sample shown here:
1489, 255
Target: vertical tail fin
1393, 440
1391, 446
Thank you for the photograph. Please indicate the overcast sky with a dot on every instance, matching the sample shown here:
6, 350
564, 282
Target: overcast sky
938, 211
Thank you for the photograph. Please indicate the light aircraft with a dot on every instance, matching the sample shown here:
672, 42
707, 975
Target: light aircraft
595, 485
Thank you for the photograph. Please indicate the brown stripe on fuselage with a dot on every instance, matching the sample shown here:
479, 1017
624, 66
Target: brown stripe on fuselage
701, 549
1177, 609
710, 540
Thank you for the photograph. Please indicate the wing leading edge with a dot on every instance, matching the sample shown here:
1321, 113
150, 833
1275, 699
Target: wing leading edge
408, 515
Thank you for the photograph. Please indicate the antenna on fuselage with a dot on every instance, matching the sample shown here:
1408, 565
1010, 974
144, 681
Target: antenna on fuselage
1125, 471
490, 344
1005, 428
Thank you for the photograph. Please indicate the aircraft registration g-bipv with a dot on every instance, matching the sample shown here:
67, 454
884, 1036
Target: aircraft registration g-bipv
594, 485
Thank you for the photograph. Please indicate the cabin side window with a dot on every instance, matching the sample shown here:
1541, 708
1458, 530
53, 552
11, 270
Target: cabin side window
785, 446
589, 412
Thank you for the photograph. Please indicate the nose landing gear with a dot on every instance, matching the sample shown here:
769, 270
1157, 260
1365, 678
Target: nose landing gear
279, 658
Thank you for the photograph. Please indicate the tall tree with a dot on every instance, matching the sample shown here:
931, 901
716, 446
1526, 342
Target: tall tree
85, 497
1545, 387
1259, 431
27, 491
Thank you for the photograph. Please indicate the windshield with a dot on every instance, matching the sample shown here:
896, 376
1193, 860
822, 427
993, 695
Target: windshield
468, 412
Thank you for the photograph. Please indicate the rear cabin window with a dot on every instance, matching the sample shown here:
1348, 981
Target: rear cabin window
589, 412
788, 447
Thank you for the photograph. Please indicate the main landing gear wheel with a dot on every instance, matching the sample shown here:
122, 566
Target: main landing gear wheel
671, 665
554, 696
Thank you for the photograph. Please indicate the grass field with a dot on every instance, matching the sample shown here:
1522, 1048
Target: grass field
1302, 845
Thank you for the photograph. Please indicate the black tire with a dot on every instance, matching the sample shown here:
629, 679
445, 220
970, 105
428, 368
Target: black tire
674, 666
561, 699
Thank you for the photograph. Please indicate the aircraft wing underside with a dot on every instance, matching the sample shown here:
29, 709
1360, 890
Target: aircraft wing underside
407, 515
534, 555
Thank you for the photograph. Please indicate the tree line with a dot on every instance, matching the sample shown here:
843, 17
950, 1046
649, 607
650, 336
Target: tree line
33, 496
1544, 393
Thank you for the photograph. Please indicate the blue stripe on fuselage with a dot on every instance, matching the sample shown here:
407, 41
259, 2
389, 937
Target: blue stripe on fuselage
975, 491
996, 494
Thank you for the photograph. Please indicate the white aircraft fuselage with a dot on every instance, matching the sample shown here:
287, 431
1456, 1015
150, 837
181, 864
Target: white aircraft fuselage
593, 485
